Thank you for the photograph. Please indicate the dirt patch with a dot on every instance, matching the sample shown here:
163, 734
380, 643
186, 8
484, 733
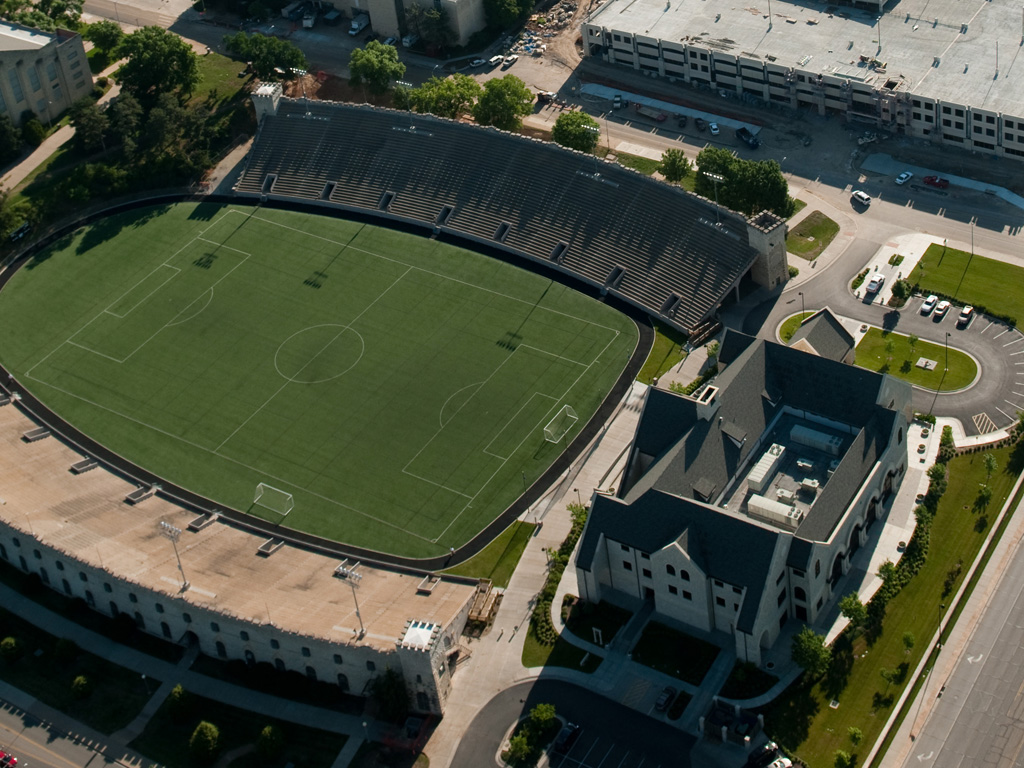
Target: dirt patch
324, 87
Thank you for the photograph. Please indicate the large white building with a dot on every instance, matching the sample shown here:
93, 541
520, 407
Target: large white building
941, 70
41, 72
741, 507
387, 17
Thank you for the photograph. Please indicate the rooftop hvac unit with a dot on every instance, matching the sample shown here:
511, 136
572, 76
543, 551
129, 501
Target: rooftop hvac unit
760, 476
773, 511
812, 438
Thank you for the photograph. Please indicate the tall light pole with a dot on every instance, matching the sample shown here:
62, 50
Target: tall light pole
947, 349
349, 574
168, 531
715, 179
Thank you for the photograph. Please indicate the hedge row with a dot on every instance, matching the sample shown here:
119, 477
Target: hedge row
540, 620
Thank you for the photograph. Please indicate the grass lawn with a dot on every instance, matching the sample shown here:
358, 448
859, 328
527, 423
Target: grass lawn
871, 354
666, 352
811, 236
645, 165
798, 205
498, 559
992, 284
791, 325
585, 617
47, 666
674, 653
396, 386
561, 654
219, 80
801, 719
165, 739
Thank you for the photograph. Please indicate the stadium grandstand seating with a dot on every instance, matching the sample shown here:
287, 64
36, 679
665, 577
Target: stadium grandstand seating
594, 220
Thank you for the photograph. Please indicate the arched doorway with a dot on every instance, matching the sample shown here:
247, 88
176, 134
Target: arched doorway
854, 543
837, 569
872, 512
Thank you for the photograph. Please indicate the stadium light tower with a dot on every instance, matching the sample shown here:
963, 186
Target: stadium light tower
169, 531
353, 578
715, 179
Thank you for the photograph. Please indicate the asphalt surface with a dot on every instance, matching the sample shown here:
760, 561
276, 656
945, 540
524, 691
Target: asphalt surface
978, 719
611, 734
37, 745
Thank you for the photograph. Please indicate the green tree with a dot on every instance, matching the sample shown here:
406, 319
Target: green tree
270, 744
436, 29
105, 35
908, 641
204, 743
504, 102
501, 13
888, 675
674, 165
1017, 429
33, 131
158, 62
391, 695
518, 748
376, 66
984, 496
164, 124
542, 715
90, 123
748, 186
81, 686
810, 653
890, 347
125, 121
10, 649
991, 465
853, 609
855, 734
912, 341
11, 141
886, 571
576, 130
446, 96
178, 704
265, 52
842, 759
65, 13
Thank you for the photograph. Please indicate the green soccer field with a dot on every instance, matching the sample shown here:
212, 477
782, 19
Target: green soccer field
398, 388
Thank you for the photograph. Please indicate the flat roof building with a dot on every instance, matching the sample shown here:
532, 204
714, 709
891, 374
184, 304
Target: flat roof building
41, 72
936, 69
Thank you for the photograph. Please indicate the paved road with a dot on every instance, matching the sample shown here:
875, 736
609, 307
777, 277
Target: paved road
612, 735
37, 744
979, 719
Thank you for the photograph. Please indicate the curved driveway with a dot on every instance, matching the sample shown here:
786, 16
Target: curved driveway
990, 404
611, 734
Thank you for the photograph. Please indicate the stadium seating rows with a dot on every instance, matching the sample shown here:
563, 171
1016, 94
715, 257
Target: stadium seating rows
663, 238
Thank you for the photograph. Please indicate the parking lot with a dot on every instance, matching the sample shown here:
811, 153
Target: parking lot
596, 749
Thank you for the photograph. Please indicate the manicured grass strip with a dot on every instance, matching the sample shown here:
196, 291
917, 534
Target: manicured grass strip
645, 165
666, 352
950, 619
791, 325
811, 236
396, 386
561, 654
871, 354
166, 737
798, 205
219, 80
674, 653
992, 284
45, 667
498, 559
801, 719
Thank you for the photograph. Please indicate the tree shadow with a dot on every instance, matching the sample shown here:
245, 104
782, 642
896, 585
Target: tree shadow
881, 700
906, 366
981, 524
789, 718
890, 320
839, 668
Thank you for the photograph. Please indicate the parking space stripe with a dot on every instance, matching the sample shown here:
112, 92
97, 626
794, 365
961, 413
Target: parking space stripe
1000, 334
1016, 407
1019, 338
1017, 353
990, 324
1004, 413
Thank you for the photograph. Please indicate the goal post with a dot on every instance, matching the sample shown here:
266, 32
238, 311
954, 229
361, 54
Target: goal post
560, 425
274, 499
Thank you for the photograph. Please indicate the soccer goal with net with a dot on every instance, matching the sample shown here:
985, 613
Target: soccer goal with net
269, 497
560, 425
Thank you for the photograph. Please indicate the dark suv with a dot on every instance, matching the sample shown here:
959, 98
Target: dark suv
748, 138
763, 755
566, 737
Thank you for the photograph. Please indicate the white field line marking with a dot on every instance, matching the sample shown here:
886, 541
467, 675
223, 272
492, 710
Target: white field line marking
177, 272
254, 470
487, 448
314, 357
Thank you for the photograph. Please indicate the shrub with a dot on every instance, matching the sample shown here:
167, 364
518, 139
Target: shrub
270, 744
859, 279
81, 686
204, 743
793, 271
178, 703
540, 619
33, 132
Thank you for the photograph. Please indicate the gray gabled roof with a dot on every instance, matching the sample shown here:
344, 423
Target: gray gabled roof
732, 549
825, 334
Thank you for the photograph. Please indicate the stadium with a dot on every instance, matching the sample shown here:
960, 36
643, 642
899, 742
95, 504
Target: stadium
285, 384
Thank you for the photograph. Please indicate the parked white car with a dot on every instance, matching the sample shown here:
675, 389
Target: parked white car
929, 304
876, 282
904, 177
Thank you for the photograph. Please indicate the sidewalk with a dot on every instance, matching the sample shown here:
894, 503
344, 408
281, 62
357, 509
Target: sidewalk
843, 239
